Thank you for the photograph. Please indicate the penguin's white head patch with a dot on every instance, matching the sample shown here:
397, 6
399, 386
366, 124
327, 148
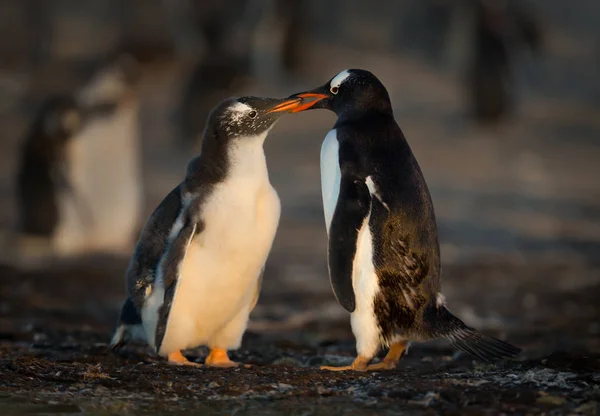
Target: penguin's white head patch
238, 111
339, 79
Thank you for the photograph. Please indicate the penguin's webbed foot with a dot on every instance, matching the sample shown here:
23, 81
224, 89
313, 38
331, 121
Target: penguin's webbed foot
383, 365
359, 364
177, 358
396, 352
218, 358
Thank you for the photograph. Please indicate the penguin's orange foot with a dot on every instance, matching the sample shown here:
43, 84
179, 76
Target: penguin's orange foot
177, 358
384, 365
359, 364
394, 355
218, 358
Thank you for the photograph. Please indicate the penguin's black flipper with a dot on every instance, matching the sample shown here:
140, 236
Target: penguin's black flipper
353, 206
441, 323
153, 240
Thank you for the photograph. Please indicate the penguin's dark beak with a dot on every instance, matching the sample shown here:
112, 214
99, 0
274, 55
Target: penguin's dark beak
310, 99
288, 105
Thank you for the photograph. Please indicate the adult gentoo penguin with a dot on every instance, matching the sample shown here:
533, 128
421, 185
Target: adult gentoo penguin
383, 252
196, 272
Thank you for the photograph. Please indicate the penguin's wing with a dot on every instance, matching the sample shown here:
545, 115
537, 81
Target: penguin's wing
352, 208
151, 246
170, 267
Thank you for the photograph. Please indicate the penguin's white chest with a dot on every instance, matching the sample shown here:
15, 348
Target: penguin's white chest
330, 175
220, 274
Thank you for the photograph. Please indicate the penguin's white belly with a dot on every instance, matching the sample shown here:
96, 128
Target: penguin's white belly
330, 175
366, 286
102, 212
219, 276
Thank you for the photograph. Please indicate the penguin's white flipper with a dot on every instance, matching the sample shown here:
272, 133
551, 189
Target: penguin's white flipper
352, 209
170, 270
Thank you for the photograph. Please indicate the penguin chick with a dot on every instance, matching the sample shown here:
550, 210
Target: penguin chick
196, 272
383, 252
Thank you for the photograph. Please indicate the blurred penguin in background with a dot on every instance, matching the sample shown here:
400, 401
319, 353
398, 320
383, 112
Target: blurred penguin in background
231, 42
79, 187
499, 29
215, 37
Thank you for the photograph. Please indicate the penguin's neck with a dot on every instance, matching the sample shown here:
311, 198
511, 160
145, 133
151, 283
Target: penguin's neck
246, 157
240, 160
372, 116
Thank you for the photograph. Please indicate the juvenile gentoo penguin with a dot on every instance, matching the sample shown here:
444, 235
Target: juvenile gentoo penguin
383, 252
196, 272
78, 183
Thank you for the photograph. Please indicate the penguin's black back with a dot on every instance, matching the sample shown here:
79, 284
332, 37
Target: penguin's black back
406, 252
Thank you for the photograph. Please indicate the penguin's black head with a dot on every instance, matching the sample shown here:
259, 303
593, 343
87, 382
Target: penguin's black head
351, 93
248, 116
57, 119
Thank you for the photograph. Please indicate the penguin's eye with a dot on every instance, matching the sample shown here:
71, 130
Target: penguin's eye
252, 114
334, 90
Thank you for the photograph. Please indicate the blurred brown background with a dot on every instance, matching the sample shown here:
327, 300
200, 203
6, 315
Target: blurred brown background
517, 192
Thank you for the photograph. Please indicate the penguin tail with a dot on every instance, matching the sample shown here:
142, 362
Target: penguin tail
119, 338
129, 327
443, 324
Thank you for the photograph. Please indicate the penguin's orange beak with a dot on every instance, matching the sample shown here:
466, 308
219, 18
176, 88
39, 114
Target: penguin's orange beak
287, 105
312, 98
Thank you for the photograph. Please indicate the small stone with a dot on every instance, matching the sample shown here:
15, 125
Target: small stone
427, 400
315, 362
287, 361
101, 390
551, 400
337, 360
285, 387
589, 408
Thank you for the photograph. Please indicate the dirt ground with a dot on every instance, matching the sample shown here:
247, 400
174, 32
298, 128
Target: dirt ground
518, 209
54, 357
